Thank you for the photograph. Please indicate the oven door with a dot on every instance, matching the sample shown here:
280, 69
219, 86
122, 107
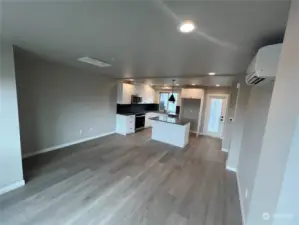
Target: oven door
139, 122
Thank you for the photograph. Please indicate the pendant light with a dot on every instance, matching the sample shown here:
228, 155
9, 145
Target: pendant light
171, 98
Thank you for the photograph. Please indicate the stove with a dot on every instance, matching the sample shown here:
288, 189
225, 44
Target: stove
139, 121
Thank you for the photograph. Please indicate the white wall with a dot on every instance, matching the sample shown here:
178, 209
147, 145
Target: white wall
287, 211
57, 102
253, 132
10, 150
238, 125
232, 104
280, 131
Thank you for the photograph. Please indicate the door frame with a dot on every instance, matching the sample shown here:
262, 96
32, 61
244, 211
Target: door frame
225, 96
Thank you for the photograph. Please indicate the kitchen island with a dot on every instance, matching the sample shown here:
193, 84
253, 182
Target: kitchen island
170, 130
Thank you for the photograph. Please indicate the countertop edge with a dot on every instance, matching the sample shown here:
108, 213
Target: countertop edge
181, 123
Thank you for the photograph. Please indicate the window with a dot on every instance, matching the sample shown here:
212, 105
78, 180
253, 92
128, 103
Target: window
165, 105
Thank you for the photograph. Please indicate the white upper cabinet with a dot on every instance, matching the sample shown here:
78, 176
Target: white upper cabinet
147, 93
125, 91
194, 93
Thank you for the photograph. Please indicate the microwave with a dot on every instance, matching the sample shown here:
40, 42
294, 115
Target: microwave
135, 99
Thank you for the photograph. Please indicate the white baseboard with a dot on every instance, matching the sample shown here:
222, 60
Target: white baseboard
12, 186
239, 192
26, 155
241, 199
210, 135
224, 149
231, 169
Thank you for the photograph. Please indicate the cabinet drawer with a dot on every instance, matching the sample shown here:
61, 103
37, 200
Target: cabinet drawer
131, 125
131, 130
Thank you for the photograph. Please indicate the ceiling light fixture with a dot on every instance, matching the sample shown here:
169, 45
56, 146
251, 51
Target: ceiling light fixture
193, 84
187, 26
212, 73
94, 62
171, 98
217, 85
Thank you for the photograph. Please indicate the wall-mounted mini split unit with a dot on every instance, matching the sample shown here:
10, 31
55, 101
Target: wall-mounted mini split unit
94, 62
263, 67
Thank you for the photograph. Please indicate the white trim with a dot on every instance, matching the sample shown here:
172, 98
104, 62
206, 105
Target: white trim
241, 199
231, 169
12, 186
239, 193
26, 155
209, 135
202, 101
224, 149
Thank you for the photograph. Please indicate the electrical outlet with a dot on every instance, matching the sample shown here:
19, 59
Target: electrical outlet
81, 132
246, 193
90, 129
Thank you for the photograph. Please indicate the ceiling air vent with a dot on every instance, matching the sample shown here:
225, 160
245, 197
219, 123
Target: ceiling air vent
94, 62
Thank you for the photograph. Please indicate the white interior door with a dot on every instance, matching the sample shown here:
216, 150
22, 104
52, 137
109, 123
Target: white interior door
215, 115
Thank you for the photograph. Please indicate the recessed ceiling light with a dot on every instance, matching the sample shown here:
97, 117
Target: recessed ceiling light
212, 73
187, 26
217, 85
94, 62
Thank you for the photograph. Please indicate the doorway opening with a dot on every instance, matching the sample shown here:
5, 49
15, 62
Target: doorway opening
215, 115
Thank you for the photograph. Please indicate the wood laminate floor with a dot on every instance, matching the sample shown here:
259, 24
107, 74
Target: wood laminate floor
127, 180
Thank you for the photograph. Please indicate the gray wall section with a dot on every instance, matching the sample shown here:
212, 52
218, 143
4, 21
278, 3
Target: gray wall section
230, 114
287, 211
253, 133
280, 129
190, 112
56, 102
238, 125
10, 150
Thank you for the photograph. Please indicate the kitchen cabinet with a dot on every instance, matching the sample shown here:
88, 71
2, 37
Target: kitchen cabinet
193, 93
125, 91
125, 124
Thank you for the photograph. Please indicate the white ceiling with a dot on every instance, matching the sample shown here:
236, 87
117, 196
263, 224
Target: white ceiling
140, 38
